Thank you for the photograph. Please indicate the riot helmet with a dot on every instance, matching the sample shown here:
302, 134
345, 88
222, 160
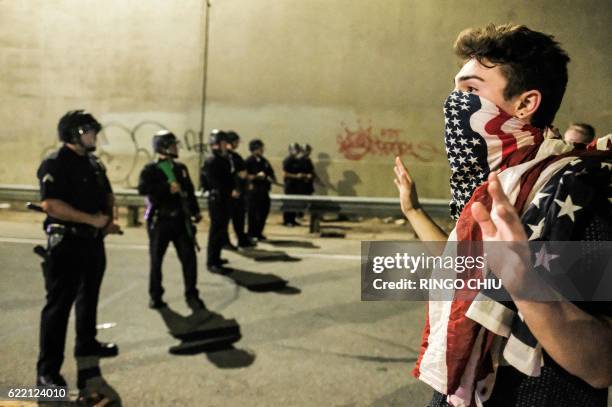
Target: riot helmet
74, 124
233, 138
163, 141
294, 149
255, 144
217, 137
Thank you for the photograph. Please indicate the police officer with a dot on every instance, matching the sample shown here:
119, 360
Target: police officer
292, 177
78, 200
238, 204
306, 168
260, 175
217, 179
172, 209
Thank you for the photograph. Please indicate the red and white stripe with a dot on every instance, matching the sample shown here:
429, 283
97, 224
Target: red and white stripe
455, 347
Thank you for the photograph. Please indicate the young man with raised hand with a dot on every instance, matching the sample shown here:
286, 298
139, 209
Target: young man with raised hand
510, 184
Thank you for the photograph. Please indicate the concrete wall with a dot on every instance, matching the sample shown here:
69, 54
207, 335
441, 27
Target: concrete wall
331, 73
136, 65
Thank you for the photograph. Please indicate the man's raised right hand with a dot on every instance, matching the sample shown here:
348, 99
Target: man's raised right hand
409, 199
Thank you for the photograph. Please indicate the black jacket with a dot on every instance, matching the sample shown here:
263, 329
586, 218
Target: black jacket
255, 165
79, 181
216, 175
291, 165
154, 184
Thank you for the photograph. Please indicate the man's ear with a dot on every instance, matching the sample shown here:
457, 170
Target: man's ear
527, 104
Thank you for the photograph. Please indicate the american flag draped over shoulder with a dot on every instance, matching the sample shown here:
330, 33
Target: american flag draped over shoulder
464, 340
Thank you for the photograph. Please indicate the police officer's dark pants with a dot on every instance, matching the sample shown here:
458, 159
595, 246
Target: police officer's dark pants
291, 189
73, 274
258, 210
219, 212
161, 233
238, 214
289, 217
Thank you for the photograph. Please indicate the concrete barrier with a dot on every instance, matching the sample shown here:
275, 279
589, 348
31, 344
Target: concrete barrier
315, 205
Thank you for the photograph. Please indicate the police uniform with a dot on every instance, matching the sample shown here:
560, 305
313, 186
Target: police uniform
237, 210
74, 267
291, 165
306, 186
217, 179
168, 218
258, 195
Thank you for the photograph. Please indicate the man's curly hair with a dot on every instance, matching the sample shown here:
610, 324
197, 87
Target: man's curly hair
528, 59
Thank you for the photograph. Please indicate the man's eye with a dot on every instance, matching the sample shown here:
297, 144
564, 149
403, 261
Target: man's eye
471, 89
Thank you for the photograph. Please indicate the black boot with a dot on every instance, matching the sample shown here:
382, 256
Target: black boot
100, 349
157, 303
54, 380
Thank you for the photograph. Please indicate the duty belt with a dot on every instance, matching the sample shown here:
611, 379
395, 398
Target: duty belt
168, 213
219, 193
83, 231
56, 233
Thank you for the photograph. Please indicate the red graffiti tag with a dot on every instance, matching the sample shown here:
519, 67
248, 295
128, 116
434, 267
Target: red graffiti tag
356, 144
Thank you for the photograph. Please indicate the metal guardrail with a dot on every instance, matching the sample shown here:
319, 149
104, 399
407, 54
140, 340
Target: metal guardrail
315, 205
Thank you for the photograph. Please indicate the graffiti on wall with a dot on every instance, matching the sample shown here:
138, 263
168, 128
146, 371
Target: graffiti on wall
124, 150
355, 144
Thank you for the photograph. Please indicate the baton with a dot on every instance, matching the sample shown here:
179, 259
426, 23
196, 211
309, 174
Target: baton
38, 249
34, 207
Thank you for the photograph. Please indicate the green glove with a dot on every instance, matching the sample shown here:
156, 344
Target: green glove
166, 167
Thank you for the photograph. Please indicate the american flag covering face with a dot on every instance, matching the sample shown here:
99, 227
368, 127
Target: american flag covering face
479, 136
560, 194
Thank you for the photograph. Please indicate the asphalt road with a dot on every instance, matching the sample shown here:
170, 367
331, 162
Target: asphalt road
287, 327
312, 342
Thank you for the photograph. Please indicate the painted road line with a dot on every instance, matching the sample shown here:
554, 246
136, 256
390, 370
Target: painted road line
124, 246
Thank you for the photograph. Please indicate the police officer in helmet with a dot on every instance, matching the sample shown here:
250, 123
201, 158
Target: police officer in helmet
292, 180
217, 179
172, 208
78, 200
309, 176
261, 176
238, 204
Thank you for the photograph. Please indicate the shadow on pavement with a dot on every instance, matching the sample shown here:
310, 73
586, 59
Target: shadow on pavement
292, 243
207, 332
331, 233
231, 358
267, 255
259, 282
